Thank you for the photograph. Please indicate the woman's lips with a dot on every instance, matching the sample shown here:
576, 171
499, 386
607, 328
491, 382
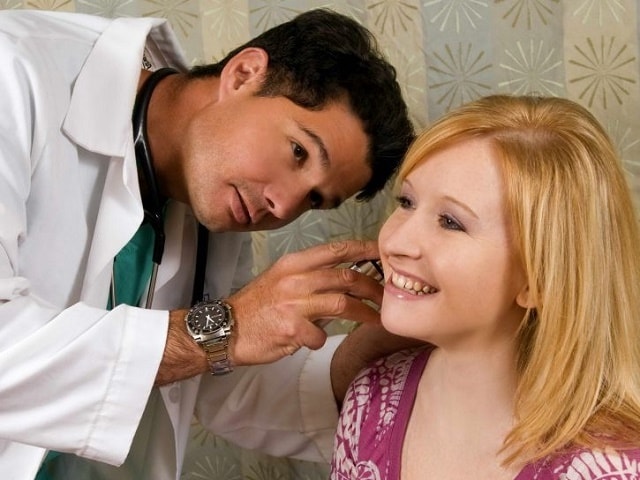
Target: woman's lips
411, 285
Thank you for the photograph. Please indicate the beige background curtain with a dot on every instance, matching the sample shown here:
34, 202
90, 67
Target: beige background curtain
446, 52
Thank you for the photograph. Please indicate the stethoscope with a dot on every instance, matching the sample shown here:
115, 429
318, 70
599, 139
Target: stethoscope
154, 202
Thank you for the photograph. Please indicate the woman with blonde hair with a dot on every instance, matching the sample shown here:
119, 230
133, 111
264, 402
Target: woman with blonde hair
514, 254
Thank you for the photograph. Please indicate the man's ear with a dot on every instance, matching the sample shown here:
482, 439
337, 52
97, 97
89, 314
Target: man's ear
244, 70
524, 298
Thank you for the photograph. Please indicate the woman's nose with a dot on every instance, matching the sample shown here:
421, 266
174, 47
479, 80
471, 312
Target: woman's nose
401, 236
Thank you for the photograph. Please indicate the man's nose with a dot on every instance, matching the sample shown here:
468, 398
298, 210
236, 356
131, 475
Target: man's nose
287, 202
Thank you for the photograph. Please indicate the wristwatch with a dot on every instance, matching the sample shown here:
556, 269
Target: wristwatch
210, 323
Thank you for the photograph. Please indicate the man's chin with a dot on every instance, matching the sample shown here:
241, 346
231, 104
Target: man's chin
232, 226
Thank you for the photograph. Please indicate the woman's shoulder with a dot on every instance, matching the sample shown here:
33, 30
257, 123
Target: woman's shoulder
398, 363
382, 384
587, 464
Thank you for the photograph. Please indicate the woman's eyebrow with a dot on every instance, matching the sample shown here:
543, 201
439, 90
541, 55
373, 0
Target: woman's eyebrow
462, 205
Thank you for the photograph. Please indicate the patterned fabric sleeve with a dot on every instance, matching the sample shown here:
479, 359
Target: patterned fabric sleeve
343, 464
374, 416
586, 464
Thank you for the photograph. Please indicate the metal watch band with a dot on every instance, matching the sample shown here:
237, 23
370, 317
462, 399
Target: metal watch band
210, 323
217, 355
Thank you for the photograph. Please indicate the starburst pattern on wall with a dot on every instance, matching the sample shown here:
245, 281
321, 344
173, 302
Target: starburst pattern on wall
604, 71
263, 471
260, 250
391, 16
529, 69
271, 13
305, 232
456, 74
411, 72
528, 12
10, 4
358, 220
226, 18
219, 467
201, 434
321, 472
107, 8
49, 4
354, 11
627, 143
623, 138
601, 11
456, 12
179, 13
322, 475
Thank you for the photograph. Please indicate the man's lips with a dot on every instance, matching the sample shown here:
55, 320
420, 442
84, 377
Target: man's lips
240, 210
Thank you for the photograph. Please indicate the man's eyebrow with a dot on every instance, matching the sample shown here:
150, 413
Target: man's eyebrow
334, 202
324, 154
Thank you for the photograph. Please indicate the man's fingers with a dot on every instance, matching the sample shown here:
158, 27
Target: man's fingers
329, 255
336, 280
314, 338
275, 313
335, 305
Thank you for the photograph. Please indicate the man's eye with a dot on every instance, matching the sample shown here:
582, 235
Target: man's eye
299, 153
449, 223
315, 200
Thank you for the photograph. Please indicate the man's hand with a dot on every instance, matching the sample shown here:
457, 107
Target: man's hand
274, 314
183, 357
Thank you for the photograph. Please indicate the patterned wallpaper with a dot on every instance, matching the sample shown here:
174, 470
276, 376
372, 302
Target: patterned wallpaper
447, 52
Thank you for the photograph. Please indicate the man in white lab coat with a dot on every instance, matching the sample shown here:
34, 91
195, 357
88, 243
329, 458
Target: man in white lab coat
302, 117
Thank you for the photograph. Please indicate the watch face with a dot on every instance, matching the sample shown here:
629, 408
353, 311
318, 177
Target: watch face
206, 318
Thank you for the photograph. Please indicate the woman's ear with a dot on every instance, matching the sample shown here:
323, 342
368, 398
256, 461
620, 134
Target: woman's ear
524, 298
246, 69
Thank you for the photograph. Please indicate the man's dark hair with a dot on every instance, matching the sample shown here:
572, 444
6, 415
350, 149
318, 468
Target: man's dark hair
318, 57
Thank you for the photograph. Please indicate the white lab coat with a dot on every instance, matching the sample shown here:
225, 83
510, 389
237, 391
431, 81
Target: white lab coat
73, 376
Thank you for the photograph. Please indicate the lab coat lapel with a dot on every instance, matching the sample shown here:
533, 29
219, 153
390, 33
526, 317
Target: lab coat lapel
119, 217
174, 230
107, 130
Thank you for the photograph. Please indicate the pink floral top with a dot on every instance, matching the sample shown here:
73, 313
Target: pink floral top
374, 418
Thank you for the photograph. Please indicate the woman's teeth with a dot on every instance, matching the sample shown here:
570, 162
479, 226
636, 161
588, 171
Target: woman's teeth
412, 286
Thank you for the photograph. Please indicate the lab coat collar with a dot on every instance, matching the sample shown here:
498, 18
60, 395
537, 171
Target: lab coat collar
106, 127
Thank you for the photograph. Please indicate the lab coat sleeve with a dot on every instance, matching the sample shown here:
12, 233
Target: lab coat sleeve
80, 382
73, 378
286, 408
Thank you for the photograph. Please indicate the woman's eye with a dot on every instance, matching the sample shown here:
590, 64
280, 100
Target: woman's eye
299, 153
404, 202
449, 223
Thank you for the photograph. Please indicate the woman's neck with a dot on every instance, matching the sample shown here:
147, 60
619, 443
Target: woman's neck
461, 416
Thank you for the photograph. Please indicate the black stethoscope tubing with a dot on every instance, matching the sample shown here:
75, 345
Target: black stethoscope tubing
153, 203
